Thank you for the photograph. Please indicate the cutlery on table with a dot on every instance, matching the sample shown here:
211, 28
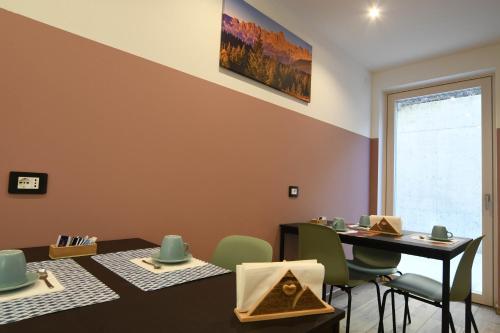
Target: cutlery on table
43, 275
152, 264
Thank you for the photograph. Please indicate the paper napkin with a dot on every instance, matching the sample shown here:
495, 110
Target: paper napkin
253, 280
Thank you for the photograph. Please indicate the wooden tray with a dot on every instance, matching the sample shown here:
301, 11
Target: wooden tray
56, 252
246, 317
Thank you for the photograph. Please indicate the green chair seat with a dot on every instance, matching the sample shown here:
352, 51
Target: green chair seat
430, 291
418, 285
357, 266
234, 250
357, 278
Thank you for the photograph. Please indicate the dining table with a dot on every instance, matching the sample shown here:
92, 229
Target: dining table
407, 245
205, 305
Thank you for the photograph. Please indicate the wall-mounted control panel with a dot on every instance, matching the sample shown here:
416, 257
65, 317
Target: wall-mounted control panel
27, 182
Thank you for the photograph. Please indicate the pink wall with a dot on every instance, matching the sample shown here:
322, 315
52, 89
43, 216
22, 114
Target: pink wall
136, 149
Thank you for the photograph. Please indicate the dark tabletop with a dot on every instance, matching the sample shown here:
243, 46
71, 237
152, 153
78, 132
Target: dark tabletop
200, 306
401, 244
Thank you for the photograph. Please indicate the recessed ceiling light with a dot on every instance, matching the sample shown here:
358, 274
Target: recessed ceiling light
374, 12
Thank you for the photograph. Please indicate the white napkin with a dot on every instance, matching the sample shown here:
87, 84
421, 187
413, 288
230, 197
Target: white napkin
37, 288
395, 221
253, 280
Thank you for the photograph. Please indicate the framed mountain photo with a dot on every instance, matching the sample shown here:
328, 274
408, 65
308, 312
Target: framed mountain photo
257, 47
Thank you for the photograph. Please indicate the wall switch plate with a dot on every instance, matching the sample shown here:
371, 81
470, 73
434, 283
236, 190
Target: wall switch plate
27, 182
293, 191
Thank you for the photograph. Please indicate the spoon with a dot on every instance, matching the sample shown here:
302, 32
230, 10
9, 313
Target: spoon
43, 275
152, 264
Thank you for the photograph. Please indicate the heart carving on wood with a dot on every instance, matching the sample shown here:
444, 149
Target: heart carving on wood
289, 289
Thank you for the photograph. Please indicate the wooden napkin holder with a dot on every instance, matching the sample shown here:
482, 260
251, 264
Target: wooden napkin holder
287, 298
58, 252
385, 227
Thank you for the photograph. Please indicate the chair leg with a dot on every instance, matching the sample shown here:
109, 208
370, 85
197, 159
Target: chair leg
406, 312
393, 304
331, 293
379, 301
451, 323
349, 297
473, 322
381, 319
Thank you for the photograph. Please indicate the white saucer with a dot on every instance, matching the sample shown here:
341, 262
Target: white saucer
156, 257
441, 239
31, 278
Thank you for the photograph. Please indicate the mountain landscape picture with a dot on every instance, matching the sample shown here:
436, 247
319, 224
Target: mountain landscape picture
257, 47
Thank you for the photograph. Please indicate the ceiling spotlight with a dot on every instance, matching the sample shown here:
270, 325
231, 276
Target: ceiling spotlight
374, 12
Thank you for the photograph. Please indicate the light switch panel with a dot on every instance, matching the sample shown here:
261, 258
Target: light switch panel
27, 182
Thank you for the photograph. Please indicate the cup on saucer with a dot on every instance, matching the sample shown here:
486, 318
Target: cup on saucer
13, 273
364, 221
439, 232
173, 250
339, 224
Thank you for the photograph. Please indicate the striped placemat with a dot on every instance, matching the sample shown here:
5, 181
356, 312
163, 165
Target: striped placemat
120, 264
80, 289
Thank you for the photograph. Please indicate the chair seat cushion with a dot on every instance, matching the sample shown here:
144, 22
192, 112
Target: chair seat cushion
377, 271
357, 278
418, 285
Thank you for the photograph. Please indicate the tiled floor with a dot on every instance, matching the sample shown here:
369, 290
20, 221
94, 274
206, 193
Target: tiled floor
425, 318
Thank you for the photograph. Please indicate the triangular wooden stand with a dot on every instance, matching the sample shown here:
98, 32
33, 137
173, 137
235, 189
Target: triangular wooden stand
287, 298
385, 227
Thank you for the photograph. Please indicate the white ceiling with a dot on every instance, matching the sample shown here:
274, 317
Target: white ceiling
408, 30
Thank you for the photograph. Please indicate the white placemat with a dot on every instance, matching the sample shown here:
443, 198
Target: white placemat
37, 288
427, 239
80, 289
164, 267
347, 232
120, 263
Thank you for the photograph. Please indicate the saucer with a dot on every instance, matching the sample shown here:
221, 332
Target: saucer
31, 278
441, 239
155, 256
340, 230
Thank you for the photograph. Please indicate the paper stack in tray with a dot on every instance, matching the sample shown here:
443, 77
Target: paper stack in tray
254, 280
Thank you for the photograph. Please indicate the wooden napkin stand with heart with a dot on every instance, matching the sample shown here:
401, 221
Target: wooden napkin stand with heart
287, 298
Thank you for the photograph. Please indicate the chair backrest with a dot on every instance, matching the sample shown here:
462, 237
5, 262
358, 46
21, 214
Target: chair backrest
462, 281
323, 243
234, 250
375, 257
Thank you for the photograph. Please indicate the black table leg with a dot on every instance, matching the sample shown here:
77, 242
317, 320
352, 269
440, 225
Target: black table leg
282, 243
468, 312
445, 311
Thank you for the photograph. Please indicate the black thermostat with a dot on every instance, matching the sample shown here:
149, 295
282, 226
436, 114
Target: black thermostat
27, 182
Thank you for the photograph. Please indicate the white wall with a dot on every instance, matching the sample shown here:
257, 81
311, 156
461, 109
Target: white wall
457, 65
185, 35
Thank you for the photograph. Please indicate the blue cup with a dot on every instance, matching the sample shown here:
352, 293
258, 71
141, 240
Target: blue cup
173, 248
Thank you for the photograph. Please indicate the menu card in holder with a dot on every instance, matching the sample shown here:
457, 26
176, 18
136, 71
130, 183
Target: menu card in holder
58, 252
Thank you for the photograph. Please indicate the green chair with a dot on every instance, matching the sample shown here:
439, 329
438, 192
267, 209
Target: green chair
380, 263
234, 250
323, 243
429, 291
